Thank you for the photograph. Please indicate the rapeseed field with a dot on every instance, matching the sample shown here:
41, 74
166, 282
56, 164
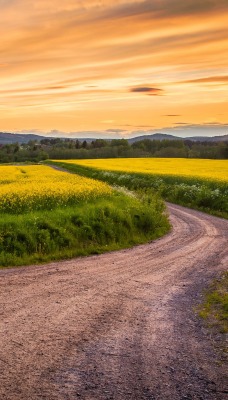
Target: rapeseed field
197, 183
38, 187
47, 214
197, 168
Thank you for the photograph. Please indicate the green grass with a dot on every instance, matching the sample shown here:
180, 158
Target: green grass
90, 227
215, 306
198, 193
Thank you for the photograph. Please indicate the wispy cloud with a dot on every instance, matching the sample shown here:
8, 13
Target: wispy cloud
171, 115
165, 8
209, 79
83, 62
115, 130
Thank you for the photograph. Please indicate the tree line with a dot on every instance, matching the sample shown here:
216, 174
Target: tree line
58, 149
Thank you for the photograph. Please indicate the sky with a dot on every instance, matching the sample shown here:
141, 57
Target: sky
103, 68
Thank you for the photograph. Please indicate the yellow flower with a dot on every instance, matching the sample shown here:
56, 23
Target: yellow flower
216, 170
40, 187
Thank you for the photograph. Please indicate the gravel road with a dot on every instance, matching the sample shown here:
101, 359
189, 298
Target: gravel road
116, 326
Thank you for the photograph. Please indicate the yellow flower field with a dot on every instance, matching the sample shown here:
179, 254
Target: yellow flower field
27, 188
199, 168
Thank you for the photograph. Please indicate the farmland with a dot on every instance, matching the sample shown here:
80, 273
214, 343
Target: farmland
36, 187
82, 313
204, 169
200, 184
48, 214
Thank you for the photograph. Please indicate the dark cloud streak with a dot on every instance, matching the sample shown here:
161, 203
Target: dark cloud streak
171, 115
165, 8
151, 91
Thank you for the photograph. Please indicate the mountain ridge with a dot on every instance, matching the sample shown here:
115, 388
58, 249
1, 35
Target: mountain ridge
10, 138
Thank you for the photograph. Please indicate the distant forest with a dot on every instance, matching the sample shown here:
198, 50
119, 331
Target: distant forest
58, 149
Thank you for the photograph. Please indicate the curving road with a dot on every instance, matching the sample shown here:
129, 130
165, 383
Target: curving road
116, 326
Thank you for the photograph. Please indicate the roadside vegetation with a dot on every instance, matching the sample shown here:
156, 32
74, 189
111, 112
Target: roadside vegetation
214, 309
48, 215
199, 184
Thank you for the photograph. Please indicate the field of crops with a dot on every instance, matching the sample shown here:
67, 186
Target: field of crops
47, 214
204, 169
196, 183
37, 187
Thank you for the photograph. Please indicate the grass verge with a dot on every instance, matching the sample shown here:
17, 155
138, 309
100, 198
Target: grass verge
89, 227
215, 306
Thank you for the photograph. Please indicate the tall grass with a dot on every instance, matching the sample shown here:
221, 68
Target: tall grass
214, 308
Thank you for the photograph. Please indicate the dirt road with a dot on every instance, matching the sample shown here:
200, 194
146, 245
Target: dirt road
117, 326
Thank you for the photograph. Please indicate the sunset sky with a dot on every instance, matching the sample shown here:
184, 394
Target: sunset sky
114, 68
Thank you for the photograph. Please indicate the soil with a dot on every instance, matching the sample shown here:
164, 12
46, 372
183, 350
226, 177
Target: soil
122, 325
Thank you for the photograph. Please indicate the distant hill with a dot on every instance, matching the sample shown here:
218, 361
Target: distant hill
9, 138
163, 136
223, 138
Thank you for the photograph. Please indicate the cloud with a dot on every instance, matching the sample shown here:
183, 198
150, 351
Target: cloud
138, 126
93, 134
79, 62
29, 131
208, 79
56, 87
165, 8
215, 123
6, 3
147, 90
115, 130
181, 123
187, 130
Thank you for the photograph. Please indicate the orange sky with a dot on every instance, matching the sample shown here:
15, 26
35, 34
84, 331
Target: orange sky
114, 66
